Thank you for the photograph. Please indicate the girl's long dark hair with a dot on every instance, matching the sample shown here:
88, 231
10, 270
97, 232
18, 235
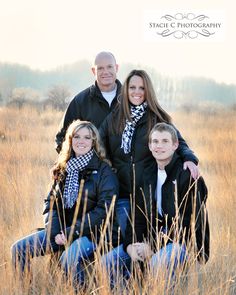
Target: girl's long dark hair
155, 112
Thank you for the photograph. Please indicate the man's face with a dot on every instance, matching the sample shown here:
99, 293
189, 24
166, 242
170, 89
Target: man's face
162, 146
105, 72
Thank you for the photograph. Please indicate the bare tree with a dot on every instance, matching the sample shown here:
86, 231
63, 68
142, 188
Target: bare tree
57, 96
23, 95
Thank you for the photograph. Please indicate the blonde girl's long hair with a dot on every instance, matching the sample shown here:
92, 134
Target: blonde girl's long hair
67, 151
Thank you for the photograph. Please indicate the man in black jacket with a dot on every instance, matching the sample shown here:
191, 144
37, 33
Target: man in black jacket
173, 203
95, 102
168, 215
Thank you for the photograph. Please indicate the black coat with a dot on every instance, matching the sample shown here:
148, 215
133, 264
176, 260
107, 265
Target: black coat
100, 185
178, 186
88, 105
129, 167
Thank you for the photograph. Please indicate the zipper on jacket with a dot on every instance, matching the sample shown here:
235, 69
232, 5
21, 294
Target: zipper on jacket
132, 157
132, 173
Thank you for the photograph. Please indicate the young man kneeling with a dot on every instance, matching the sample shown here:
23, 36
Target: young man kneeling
169, 213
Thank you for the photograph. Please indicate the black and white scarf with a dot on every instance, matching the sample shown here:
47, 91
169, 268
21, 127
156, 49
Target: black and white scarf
136, 114
71, 189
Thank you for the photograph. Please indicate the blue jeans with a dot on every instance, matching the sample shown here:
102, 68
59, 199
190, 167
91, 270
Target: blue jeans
122, 212
36, 244
73, 257
30, 246
117, 263
170, 257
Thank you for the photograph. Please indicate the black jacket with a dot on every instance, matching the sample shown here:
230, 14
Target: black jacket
100, 185
129, 167
189, 194
88, 105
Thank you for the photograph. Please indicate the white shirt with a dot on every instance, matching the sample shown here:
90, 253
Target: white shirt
109, 96
161, 177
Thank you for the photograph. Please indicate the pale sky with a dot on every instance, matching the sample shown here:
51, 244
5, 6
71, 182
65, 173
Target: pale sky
45, 34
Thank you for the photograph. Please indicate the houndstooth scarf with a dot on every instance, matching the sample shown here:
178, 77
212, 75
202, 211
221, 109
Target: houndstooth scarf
71, 189
136, 114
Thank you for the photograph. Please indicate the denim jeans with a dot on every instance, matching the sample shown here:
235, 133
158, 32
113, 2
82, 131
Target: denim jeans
73, 257
30, 246
117, 263
36, 245
122, 212
170, 257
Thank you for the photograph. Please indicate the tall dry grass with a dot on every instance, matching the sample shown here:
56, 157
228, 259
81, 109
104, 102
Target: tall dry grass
26, 155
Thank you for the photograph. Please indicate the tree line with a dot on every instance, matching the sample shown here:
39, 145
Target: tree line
21, 85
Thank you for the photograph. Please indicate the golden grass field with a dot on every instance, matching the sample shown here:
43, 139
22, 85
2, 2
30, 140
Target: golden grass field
26, 155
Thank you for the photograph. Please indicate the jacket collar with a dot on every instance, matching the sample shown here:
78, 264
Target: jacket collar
145, 117
173, 165
170, 169
95, 90
94, 163
150, 176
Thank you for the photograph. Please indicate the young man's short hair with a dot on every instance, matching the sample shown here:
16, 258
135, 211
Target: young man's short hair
161, 127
